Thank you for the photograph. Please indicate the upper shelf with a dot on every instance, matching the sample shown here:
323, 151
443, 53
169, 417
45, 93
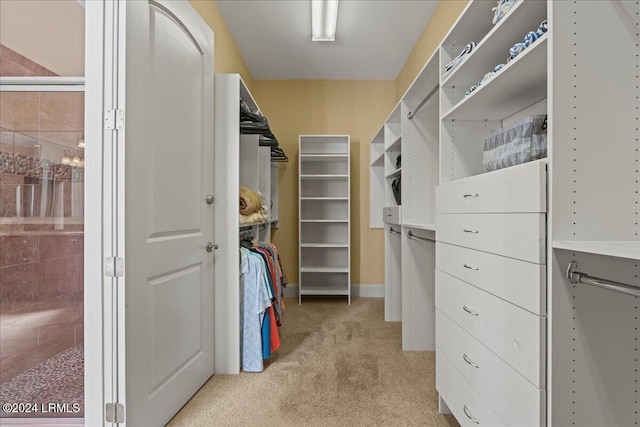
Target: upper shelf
394, 173
395, 145
378, 161
627, 249
493, 49
521, 83
323, 157
426, 227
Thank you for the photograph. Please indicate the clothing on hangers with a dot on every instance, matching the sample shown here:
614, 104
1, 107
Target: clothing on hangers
262, 304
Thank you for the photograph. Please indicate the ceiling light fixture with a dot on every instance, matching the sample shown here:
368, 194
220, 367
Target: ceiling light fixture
324, 18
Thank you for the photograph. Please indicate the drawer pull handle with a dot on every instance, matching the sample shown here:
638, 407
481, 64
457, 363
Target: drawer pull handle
470, 268
466, 196
468, 310
471, 231
468, 414
466, 358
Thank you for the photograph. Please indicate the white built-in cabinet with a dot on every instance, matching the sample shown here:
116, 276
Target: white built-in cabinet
411, 130
537, 266
491, 227
324, 213
239, 161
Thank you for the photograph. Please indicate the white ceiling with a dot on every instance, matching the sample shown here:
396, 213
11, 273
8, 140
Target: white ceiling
373, 38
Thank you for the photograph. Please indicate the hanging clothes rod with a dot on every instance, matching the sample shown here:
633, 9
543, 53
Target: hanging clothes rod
578, 277
392, 231
413, 236
424, 101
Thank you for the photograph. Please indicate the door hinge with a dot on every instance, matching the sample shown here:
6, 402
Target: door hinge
114, 413
113, 266
114, 119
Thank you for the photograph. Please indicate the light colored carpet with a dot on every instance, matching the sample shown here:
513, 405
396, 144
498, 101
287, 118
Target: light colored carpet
339, 365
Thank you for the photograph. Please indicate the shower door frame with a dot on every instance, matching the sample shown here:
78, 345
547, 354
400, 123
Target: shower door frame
93, 326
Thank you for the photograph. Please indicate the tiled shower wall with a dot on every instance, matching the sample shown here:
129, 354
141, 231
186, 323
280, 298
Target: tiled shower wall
41, 253
41, 298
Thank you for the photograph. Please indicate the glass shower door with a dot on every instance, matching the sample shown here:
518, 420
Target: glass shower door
41, 252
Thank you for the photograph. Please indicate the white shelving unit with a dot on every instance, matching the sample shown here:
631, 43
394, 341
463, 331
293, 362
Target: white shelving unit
576, 345
594, 215
239, 161
392, 149
392, 218
324, 212
420, 166
377, 181
491, 226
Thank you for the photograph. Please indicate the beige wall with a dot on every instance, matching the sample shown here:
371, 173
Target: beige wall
227, 58
355, 108
441, 22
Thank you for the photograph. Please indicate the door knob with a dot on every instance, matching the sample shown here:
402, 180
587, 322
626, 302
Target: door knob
210, 247
209, 199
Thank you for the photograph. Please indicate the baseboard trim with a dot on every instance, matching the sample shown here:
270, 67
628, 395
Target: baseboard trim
357, 291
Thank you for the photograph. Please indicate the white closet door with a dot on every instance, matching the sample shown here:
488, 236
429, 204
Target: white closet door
168, 102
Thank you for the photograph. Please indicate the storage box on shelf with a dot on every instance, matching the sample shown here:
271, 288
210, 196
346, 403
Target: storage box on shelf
324, 214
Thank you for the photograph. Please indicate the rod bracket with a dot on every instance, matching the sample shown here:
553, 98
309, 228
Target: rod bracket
572, 275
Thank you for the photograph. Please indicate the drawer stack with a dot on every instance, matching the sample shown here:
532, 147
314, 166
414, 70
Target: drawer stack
490, 296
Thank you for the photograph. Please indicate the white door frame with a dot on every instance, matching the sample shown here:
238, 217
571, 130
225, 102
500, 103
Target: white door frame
101, 207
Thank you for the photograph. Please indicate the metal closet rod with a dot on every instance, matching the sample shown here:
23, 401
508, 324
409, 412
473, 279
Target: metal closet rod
578, 277
413, 236
391, 230
424, 101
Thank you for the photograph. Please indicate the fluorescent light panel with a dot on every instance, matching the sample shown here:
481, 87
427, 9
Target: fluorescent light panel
324, 17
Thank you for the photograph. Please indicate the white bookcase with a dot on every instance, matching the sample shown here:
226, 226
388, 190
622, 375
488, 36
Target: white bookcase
239, 160
324, 212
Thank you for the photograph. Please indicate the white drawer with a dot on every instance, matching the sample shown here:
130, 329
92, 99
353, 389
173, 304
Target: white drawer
520, 282
391, 214
520, 236
465, 403
514, 399
520, 188
514, 334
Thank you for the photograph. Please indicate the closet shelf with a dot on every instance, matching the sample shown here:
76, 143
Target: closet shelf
254, 224
394, 173
521, 83
628, 249
379, 161
492, 49
324, 245
324, 269
426, 227
323, 157
324, 290
325, 220
323, 176
324, 198
395, 145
